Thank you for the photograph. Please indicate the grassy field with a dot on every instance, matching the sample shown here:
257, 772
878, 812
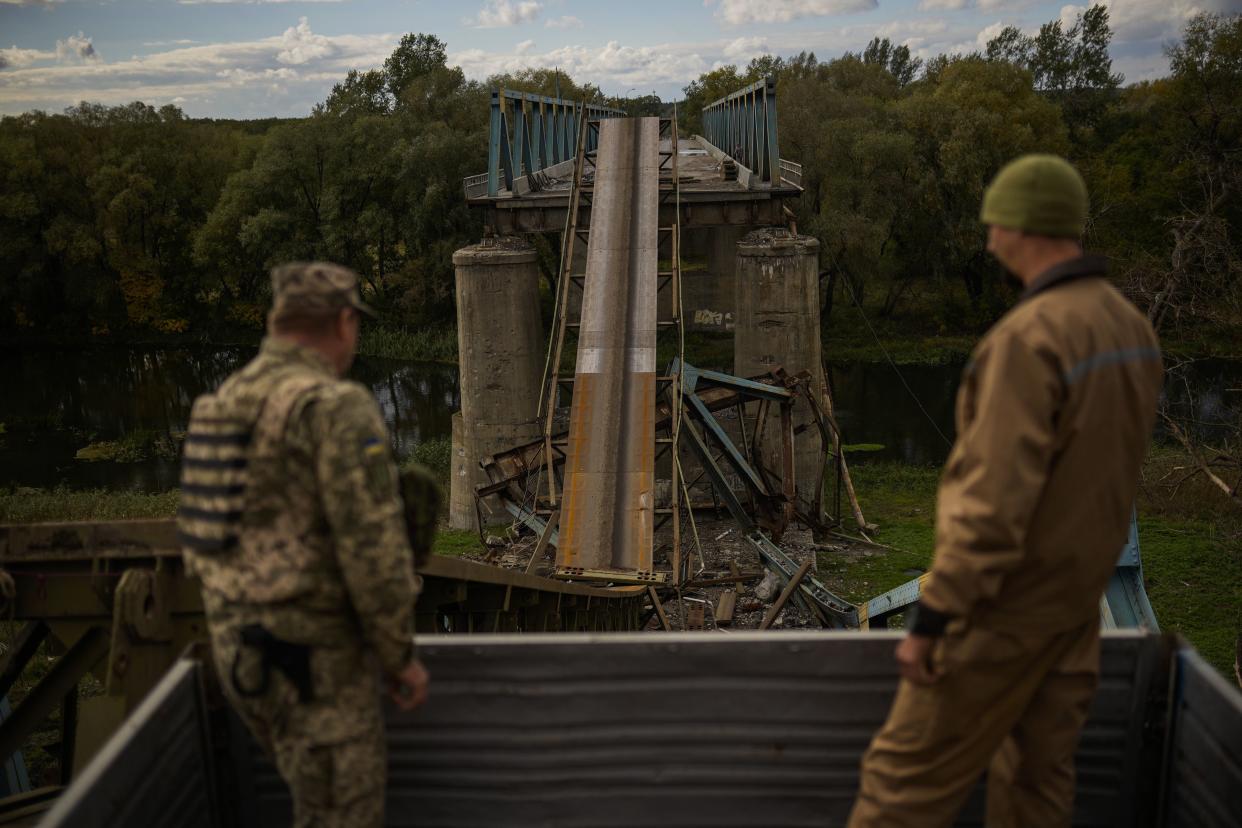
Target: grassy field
1190, 537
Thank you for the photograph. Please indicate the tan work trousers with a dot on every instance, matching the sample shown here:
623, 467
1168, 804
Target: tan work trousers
1013, 704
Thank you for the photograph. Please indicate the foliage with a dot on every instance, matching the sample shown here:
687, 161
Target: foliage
1191, 559
421, 344
26, 505
134, 447
436, 456
134, 222
1071, 65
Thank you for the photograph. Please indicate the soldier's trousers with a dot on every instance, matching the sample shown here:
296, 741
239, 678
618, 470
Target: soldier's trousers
1011, 704
330, 750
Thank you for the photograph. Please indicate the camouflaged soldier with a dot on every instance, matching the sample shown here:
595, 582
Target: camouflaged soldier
291, 517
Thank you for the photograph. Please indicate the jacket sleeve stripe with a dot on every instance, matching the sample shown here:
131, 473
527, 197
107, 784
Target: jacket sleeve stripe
1111, 358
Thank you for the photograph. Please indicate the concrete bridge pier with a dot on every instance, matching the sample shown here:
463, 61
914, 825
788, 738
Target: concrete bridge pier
777, 324
708, 283
501, 349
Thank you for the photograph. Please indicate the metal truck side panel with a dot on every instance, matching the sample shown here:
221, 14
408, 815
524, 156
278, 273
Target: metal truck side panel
685, 729
156, 770
1204, 784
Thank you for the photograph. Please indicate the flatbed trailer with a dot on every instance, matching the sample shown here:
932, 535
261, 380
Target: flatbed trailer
741, 729
112, 600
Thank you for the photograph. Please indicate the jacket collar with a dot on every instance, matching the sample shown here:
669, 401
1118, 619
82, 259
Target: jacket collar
1088, 264
291, 352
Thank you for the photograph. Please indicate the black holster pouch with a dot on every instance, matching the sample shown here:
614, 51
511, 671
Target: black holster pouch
293, 660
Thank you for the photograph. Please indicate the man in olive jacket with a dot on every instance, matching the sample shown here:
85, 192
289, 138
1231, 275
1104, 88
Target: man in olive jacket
1054, 415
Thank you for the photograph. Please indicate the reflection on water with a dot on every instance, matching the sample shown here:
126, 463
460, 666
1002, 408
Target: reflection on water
57, 402
54, 403
875, 406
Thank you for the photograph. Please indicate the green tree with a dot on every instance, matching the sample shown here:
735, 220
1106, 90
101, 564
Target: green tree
896, 59
1071, 65
415, 56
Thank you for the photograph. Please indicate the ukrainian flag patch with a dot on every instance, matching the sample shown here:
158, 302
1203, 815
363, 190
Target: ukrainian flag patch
378, 468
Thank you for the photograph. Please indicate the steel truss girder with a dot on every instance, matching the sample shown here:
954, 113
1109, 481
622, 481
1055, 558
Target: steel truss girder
743, 125
528, 133
831, 610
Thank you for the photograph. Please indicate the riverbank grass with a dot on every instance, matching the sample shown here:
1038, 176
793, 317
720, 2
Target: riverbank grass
1190, 537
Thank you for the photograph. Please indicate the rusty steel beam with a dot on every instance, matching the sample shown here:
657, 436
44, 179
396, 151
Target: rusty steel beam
607, 521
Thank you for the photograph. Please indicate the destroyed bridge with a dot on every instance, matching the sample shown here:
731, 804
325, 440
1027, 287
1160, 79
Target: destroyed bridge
599, 440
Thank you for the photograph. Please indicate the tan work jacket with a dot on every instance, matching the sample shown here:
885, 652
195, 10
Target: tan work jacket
1054, 415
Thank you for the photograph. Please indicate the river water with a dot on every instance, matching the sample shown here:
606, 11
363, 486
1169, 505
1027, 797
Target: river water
54, 403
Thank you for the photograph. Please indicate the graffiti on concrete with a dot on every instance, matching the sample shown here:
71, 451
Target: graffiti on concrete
716, 320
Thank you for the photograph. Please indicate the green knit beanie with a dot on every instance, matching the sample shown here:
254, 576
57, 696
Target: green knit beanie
1039, 194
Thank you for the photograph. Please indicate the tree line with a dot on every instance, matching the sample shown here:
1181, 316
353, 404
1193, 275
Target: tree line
130, 220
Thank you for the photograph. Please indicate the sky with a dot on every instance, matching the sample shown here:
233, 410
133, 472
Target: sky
262, 58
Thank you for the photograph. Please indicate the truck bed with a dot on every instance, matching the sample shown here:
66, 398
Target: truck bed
664, 729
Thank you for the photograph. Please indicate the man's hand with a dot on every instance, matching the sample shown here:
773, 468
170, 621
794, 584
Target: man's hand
914, 659
408, 689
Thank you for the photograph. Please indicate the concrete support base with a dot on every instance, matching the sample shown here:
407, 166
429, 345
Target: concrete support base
708, 282
501, 355
777, 324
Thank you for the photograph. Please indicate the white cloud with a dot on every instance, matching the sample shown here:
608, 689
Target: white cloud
565, 22
282, 75
615, 64
987, 34
737, 12
17, 58
743, 49
1069, 14
1158, 20
249, 2
29, 2
240, 77
524, 47
302, 45
77, 47
942, 5
181, 42
497, 14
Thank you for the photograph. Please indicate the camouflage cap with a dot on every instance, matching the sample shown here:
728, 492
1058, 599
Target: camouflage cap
314, 287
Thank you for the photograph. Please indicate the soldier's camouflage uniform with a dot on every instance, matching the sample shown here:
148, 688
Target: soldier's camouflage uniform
291, 518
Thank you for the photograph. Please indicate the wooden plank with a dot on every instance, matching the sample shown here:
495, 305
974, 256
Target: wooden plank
783, 598
659, 609
728, 600
544, 538
725, 579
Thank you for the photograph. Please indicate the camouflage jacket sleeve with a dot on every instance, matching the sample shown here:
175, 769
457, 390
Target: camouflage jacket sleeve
358, 491
995, 475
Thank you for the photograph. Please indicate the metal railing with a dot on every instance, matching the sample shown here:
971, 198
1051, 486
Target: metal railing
743, 126
791, 173
475, 185
529, 133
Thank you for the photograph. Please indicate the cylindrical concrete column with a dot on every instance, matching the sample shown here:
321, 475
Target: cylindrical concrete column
777, 324
500, 350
